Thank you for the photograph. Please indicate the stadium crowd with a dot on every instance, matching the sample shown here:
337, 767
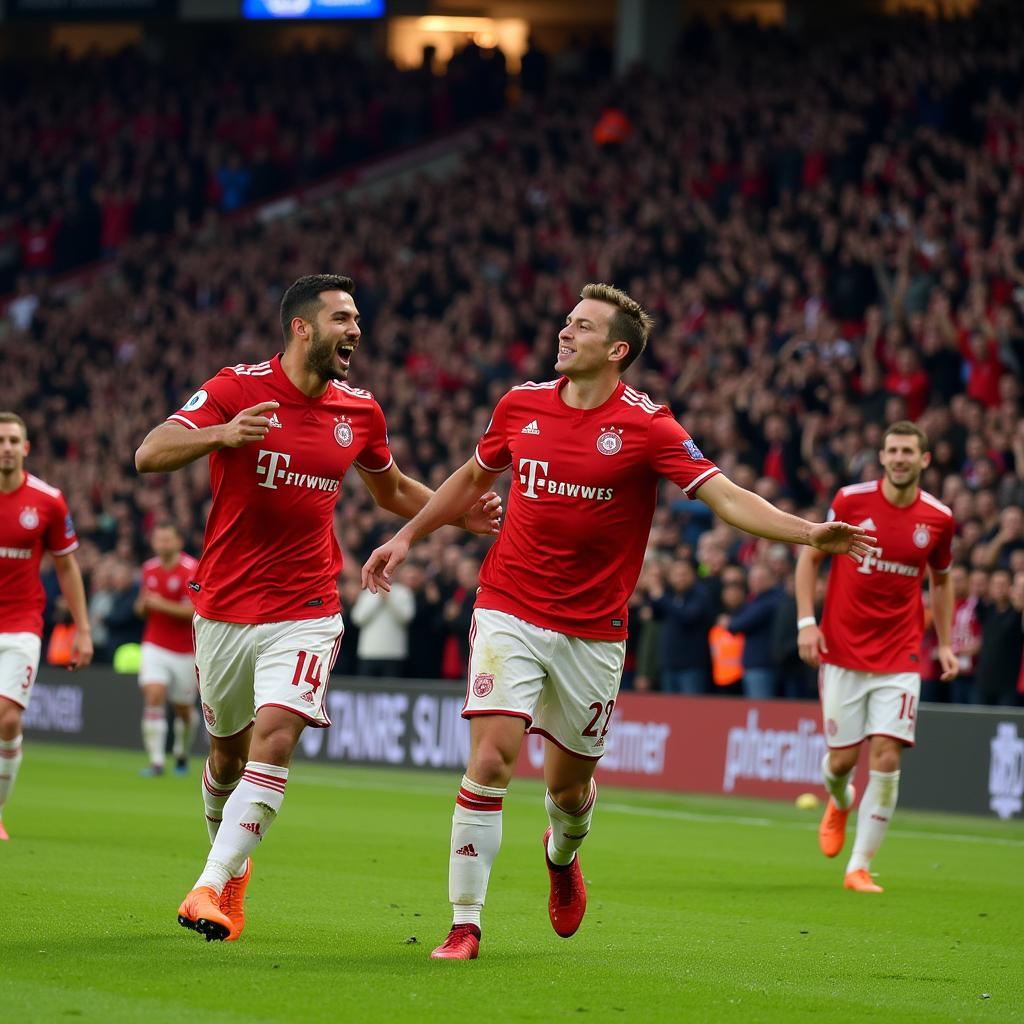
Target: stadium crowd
830, 239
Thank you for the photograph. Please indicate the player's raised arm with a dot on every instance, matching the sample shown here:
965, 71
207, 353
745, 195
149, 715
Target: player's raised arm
751, 513
170, 446
453, 499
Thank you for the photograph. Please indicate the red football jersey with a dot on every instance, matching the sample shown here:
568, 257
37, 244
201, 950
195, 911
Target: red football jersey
165, 630
584, 489
270, 553
33, 519
874, 615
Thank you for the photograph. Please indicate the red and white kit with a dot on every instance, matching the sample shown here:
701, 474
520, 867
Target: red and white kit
167, 641
270, 557
874, 616
549, 632
33, 519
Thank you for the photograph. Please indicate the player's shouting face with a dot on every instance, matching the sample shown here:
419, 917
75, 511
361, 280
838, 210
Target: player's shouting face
584, 346
903, 460
332, 336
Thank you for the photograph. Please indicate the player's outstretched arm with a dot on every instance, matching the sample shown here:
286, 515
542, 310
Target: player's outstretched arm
451, 500
809, 639
69, 579
751, 513
170, 446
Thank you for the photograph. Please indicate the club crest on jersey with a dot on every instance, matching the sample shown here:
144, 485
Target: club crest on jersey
343, 432
609, 441
692, 450
483, 684
29, 518
922, 535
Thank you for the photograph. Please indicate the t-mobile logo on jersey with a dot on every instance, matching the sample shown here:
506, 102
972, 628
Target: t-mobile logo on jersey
270, 470
874, 562
533, 477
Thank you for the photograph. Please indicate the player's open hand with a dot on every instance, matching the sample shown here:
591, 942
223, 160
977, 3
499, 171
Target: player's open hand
810, 643
842, 539
81, 650
381, 565
485, 515
948, 663
249, 425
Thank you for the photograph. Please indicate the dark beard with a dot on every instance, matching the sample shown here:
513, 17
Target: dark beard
320, 358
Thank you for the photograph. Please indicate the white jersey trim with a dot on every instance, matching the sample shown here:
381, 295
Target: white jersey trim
41, 485
383, 469
866, 487
490, 469
707, 474
354, 392
181, 419
531, 385
930, 499
67, 550
640, 400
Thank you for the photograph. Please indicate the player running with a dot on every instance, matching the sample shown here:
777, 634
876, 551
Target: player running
168, 668
33, 518
869, 643
280, 435
548, 634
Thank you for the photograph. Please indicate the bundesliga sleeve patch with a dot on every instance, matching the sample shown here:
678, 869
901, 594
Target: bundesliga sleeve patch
693, 451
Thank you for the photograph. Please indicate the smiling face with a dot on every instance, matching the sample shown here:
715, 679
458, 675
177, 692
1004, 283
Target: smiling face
584, 349
13, 449
333, 336
903, 460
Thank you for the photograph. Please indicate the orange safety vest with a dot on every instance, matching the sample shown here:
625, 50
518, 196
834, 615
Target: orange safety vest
58, 651
726, 656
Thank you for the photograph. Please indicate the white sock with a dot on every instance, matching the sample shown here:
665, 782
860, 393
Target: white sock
876, 810
838, 786
154, 734
568, 828
248, 814
476, 838
10, 762
215, 796
183, 733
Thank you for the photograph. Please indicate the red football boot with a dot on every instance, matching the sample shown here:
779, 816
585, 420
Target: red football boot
463, 943
567, 902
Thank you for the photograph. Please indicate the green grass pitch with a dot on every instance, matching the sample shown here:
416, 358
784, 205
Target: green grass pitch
701, 909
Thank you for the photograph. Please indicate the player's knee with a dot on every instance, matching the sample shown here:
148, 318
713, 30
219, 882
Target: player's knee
570, 797
842, 762
10, 720
226, 766
887, 760
491, 766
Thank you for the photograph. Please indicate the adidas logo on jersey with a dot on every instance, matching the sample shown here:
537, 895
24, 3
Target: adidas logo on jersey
868, 524
467, 851
307, 697
274, 421
531, 428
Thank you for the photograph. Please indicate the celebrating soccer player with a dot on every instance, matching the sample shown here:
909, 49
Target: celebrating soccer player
869, 642
168, 666
33, 518
548, 635
280, 435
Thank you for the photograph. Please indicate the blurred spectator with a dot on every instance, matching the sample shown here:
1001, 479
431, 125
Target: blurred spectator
123, 626
383, 620
685, 611
425, 634
754, 620
1002, 639
456, 619
726, 646
647, 627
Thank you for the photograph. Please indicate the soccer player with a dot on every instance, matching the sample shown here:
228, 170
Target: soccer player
33, 518
280, 435
548, 634
168, 665
869, 641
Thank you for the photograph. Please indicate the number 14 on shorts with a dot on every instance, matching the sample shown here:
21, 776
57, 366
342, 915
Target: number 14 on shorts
312, 675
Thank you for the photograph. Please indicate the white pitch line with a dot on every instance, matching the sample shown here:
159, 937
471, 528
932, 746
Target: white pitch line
440, 789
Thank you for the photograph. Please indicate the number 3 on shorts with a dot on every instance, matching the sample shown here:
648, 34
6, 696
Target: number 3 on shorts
600, 709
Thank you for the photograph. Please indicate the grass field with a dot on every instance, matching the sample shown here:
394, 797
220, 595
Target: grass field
701, 909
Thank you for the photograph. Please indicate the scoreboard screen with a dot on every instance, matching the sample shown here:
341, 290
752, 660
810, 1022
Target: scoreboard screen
321, 9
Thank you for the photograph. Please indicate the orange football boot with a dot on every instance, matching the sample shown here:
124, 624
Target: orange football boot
3, 832
232, 901
567, 900
201, 912
832, 830
463, 943
860, 881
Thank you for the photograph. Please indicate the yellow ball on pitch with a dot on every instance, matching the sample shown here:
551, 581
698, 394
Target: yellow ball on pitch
807, 801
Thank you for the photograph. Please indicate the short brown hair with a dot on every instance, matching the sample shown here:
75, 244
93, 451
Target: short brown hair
630, 323
302, 299
904, 428
13, 417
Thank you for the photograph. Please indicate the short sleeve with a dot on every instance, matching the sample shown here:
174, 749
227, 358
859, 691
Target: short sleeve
836, 509
674, 454
941, 557
219, 400
61, 538
375, 456
492, 451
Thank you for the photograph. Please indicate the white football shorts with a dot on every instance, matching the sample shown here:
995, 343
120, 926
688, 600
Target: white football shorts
244, 667
173, 669
564, 687
858, 704
19, 665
